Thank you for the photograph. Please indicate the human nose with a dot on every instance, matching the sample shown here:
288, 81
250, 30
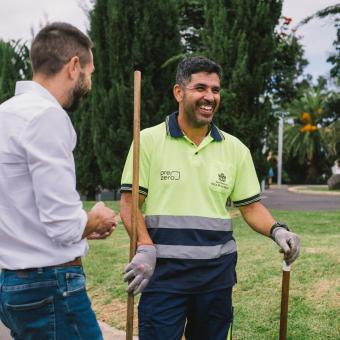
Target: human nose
209, 95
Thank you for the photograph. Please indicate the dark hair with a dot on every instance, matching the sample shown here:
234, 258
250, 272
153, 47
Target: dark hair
55, 45
197, 64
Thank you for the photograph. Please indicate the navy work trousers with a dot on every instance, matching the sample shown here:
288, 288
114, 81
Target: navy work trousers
205, 316
46, 304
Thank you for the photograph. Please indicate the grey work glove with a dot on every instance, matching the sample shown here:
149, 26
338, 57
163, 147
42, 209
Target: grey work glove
139, 271
288, 242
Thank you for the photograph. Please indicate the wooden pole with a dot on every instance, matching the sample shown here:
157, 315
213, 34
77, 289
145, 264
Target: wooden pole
284, 301
135, 194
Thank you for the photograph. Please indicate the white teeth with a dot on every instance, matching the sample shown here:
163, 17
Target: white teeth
204, 107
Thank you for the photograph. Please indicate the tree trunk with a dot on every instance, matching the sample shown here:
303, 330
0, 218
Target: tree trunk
91, 195
312, 173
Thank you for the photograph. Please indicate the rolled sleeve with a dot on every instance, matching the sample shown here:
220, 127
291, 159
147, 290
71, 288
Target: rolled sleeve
144, 167
246, 188
49, 140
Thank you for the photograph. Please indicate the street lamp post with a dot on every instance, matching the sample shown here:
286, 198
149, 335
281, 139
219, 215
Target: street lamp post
279, 152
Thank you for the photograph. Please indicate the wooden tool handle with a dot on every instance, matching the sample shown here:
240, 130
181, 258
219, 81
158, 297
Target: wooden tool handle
135, 194
284, 300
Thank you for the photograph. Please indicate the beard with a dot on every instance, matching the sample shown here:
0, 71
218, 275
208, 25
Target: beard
78, 92
192, 113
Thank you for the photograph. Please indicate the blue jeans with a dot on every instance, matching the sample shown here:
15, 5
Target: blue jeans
47, 303
205, 316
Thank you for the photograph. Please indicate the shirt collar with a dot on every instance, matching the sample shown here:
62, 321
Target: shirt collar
173, 129
25, 86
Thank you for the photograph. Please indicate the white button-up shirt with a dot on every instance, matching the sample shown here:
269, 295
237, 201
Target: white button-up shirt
41, 216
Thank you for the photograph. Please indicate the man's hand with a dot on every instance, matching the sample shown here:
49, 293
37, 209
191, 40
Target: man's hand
139, 271
97, 236
288, 242
101, 222
106, 214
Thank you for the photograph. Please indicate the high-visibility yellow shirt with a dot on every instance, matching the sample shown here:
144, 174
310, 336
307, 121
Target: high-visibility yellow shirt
186, 188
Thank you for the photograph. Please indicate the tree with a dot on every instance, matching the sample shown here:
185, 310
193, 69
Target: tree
330, 134
303, 138
332, 12
129, 35
14, 65
239, 35
334, 58
288, 64
87, 169
191, 23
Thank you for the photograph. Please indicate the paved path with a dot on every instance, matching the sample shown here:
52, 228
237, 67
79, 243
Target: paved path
283, 199
4, 333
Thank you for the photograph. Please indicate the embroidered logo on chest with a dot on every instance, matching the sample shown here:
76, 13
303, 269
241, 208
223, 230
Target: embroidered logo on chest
220, 181
222, 177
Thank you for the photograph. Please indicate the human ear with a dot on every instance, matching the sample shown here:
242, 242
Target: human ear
73, 67
178, 93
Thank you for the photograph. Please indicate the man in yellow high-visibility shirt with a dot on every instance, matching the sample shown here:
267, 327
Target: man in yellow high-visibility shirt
186, 255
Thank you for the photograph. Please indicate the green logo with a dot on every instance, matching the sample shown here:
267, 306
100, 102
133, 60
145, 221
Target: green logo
222, 177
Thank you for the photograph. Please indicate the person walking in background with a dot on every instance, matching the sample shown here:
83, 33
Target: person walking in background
271, 165
186, 254
43, 226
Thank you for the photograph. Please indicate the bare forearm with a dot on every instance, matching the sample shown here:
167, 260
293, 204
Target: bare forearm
143, 236
258, 217
90, 225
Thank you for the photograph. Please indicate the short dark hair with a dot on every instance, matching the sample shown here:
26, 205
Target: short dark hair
191, 65
55, 45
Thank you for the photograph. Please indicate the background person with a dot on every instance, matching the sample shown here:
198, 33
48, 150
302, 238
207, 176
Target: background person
43, 227
186, 256
271, 165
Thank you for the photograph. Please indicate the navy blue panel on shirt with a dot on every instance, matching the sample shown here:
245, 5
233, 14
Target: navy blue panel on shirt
193, 276
189, 237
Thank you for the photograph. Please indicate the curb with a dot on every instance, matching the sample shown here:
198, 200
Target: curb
302, 189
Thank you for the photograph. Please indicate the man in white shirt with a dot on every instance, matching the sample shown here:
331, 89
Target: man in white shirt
43, 226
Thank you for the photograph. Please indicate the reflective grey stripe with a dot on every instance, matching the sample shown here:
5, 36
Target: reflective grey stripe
188, 222
195, 252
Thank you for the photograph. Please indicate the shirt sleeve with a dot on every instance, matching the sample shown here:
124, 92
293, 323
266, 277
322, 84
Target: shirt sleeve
48, 141
144, 167
246, 187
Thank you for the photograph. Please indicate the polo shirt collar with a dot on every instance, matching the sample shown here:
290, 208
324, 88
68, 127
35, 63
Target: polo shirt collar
173, 129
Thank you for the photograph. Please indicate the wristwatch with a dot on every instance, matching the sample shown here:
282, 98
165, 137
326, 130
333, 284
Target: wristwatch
277, 225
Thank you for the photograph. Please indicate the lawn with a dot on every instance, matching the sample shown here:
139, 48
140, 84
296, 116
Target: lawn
314, 306
323, 188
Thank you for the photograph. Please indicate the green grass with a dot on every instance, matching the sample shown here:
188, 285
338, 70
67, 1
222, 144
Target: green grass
314, 305
106, 260
323, 188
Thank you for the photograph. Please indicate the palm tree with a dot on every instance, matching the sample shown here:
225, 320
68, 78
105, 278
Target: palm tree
312, 137
303, 135
330, 139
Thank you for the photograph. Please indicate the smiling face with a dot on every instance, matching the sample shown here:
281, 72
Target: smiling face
199, 99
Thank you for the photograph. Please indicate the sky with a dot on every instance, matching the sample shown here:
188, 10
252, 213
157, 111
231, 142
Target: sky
19, 17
